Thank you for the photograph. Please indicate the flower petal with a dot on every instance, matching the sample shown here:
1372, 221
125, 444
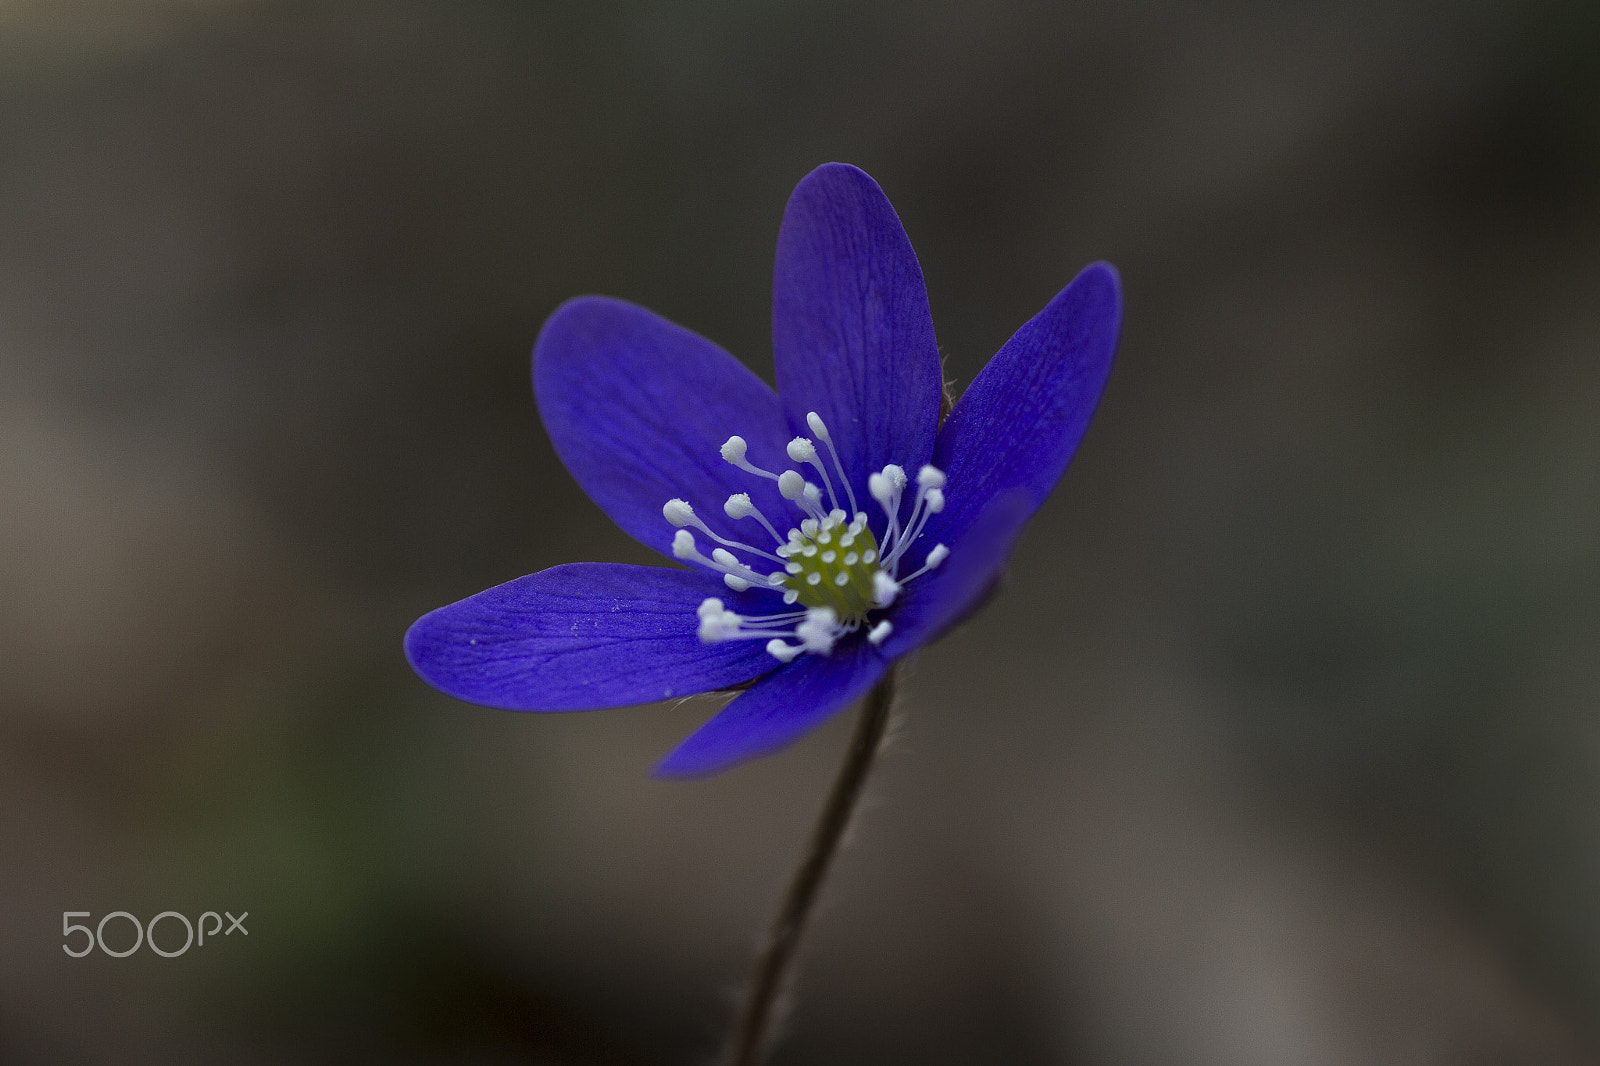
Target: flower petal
936, 601
1020, 421
580, 637
778, 709
638, 408
851, 331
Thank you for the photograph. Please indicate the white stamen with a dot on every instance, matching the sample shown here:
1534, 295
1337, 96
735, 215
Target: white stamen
784, 652
733, 451
680, 514
791, 484
930, 501
802, 450
739, 506
718, 624
814, 420
937, 555
737, 584
722, 560
884, 588
879, 632
819, 630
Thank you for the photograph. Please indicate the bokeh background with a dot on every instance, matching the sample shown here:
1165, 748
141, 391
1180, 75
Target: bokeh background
1282, 745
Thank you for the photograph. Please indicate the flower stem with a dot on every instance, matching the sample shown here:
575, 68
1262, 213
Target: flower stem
748, 1044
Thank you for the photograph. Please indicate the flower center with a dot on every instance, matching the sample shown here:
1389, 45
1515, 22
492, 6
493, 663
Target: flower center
834, 567
831, 563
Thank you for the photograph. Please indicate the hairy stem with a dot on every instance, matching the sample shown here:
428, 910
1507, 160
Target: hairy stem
748, 1044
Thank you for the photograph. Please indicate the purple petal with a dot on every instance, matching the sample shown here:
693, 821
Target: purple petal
638, 408
1018, 424
580, 637
851, 331
778, 709
936, 601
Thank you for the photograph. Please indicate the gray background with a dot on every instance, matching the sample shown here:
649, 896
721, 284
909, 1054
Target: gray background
1281, 746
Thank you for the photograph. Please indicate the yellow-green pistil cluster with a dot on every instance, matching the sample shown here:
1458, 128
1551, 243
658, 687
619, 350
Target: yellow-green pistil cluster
831, 564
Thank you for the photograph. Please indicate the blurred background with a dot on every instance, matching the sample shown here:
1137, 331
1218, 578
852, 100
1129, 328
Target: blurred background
1282, 745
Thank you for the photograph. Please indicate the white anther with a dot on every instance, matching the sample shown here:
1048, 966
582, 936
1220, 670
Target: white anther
930, 477
896, 475
879, 632
819, 630
881, 489
683, 544
725, 557
836, 517
935, 501
791, 596
678, 512
812, 495
784, 652
717, 624
737, 584
802, 450
884, 588
814, 420
793, 568
791, 484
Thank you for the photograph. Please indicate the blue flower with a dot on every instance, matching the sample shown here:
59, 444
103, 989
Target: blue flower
831, 527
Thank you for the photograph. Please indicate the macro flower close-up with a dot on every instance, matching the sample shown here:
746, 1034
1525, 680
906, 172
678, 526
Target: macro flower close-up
831, 527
